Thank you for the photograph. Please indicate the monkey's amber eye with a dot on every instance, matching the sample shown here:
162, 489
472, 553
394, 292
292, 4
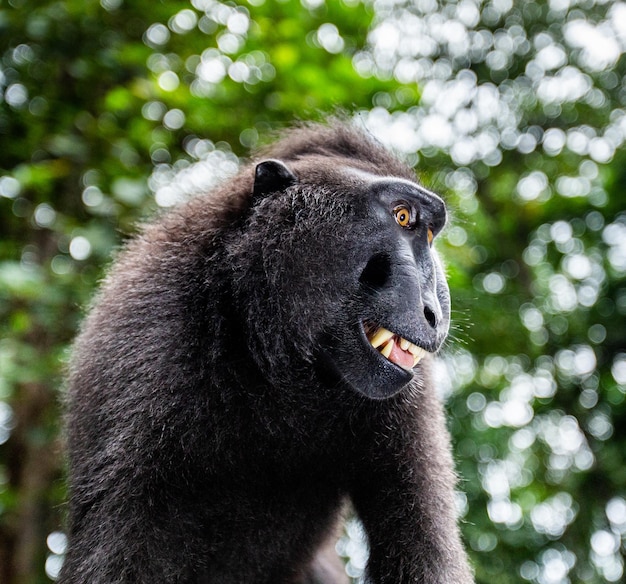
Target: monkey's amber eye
403, 215
430, 235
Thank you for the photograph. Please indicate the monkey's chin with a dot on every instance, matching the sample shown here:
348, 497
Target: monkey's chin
351, 359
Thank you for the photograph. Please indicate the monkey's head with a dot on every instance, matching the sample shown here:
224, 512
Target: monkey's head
340, 263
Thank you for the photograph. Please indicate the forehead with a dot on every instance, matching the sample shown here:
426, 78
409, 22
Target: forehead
392, 187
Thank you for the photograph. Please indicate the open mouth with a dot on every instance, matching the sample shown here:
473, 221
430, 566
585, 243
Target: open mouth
393, 347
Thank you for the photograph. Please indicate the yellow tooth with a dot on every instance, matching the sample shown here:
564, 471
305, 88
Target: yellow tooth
386, 350
404, 344
382, 335
417, 353
414, 350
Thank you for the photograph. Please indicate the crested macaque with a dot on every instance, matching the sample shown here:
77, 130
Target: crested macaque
256, 358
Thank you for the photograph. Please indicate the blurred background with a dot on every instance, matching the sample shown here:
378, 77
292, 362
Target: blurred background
514, 111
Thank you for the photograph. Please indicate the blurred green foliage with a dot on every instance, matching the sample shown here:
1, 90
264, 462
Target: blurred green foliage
515, 112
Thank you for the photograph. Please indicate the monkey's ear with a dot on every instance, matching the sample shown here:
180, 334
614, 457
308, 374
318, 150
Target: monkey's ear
271, 176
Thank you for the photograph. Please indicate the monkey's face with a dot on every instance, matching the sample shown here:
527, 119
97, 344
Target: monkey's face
349, 276
400, 304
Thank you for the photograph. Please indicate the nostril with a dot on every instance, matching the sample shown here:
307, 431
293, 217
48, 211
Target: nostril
377, 271
431, 317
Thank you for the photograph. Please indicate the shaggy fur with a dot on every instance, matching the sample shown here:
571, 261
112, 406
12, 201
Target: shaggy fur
219, 414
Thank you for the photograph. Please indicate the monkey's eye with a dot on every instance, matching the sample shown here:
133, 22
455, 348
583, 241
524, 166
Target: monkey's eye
430, 235
403, 216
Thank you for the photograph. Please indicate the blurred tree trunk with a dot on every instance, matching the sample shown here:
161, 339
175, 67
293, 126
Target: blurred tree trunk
33, 464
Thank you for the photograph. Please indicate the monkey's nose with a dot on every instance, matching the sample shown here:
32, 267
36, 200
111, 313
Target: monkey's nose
431, 316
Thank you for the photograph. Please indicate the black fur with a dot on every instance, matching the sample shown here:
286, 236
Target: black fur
224, 403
